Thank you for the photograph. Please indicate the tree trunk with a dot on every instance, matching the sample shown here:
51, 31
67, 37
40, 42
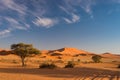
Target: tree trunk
23, 63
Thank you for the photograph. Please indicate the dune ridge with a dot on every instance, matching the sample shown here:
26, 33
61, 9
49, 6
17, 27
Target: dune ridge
67, 51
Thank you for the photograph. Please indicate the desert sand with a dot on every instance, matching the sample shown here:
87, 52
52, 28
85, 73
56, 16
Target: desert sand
10, 66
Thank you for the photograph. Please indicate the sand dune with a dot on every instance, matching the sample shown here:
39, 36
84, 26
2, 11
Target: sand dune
68, 51
1, 49
10, 66
110, 55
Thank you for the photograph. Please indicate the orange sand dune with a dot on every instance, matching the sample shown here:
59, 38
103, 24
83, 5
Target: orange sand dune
10, 67
110, 55
68, 51
1, 49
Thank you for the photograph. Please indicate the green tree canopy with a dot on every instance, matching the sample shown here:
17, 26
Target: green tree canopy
24, 50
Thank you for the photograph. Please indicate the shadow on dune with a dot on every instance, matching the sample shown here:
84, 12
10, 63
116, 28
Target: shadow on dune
75, 73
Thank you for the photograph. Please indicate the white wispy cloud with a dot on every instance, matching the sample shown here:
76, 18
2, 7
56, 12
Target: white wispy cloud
40, 7
22, 13
45, 22
27, 25
16, 24
86, 5
11, 20
67, 20
13, 25
20, 9
75, 18
64, 9
10, 4
5, 33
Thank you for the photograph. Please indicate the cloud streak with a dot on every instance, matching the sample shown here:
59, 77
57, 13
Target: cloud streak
5, 33
86, 5
16, 24
45, 22
10, 4
75, 18
20, 14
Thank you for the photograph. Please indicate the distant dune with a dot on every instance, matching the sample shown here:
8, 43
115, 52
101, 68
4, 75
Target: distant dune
66, 51
72, 52
110, 55
1, 49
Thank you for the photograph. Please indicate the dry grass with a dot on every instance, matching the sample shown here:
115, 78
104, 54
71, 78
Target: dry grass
10, 69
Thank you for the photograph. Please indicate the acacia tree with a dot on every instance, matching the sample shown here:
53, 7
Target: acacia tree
96, 58
24, 50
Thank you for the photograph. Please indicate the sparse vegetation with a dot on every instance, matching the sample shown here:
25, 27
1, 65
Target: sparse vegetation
80, 55
56, 54
59, 57
48, 65
23, 51
96, 58
43, 57
15, 62
78, 60
59, 61
83, 54
3, 52
70, 64
119, 66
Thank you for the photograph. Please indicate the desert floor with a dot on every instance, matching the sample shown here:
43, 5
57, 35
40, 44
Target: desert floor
10, 69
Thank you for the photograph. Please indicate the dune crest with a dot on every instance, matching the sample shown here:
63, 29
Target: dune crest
66, 51
109, 55
1, 49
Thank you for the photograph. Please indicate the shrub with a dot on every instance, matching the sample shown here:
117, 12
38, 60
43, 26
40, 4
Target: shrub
83, 54
3, 52
70, 64
96, 58
48, 65
119, 66
14, 61
78, 60
56, 54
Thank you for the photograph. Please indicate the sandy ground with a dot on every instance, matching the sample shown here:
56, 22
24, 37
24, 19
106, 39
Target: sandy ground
10, 69
81, 73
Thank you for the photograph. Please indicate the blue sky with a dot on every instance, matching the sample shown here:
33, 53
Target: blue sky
92, 25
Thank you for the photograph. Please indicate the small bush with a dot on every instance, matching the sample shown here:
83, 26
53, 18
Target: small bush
43, 57
48, 65
14, 61
78, 60
3, 52
70, 64
83, 54
59, 57
56, 54
96, 58
119, 66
